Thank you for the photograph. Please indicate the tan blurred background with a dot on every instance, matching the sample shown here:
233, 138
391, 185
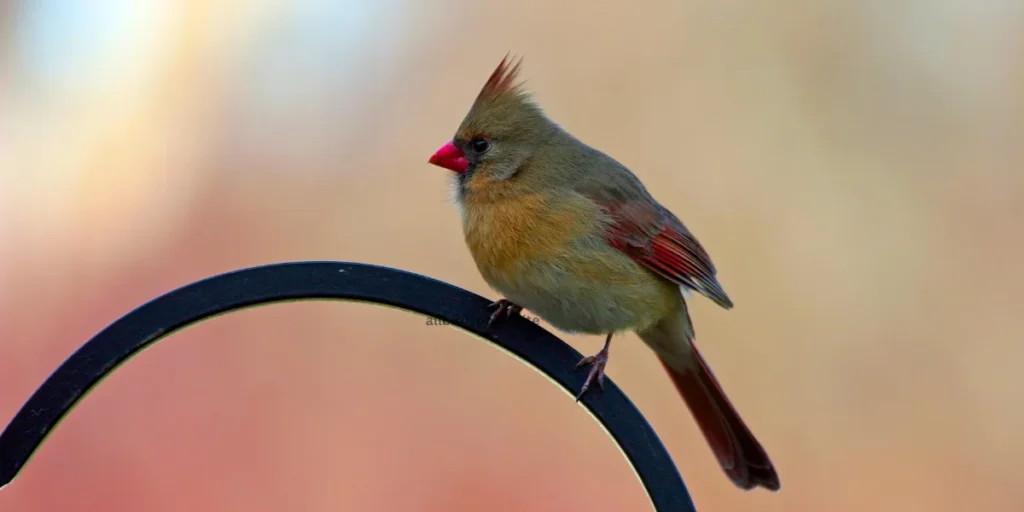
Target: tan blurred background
854, 168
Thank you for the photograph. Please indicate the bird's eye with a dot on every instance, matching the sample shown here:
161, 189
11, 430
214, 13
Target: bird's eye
479, 145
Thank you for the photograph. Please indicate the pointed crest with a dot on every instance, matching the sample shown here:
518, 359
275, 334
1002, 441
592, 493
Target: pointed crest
502, 80
503, 105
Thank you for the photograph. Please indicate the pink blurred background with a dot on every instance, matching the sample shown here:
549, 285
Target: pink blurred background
854, 168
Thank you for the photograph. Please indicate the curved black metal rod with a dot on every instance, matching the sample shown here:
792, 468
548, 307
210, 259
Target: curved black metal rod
345, 281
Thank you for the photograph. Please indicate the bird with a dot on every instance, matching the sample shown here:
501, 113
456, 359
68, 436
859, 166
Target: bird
569, 233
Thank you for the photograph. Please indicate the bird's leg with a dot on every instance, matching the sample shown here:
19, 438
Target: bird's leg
599, 361
504, 307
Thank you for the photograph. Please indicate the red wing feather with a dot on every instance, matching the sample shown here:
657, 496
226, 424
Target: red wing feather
660, 242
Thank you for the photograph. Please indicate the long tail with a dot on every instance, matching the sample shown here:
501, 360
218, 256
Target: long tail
737, 450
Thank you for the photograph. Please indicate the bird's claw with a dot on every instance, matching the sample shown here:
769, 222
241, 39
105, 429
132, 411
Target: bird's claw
598, 362
504, 307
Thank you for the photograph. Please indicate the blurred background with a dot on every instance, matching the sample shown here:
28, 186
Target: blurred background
854, 168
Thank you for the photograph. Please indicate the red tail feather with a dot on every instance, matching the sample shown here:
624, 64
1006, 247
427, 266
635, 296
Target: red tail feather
736, 448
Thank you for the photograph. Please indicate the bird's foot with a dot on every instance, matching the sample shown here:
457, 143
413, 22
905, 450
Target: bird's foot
598, 362
505, 308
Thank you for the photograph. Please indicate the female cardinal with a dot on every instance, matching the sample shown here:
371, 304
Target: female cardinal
566, 231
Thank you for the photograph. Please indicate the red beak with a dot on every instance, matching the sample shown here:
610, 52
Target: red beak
450, 157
